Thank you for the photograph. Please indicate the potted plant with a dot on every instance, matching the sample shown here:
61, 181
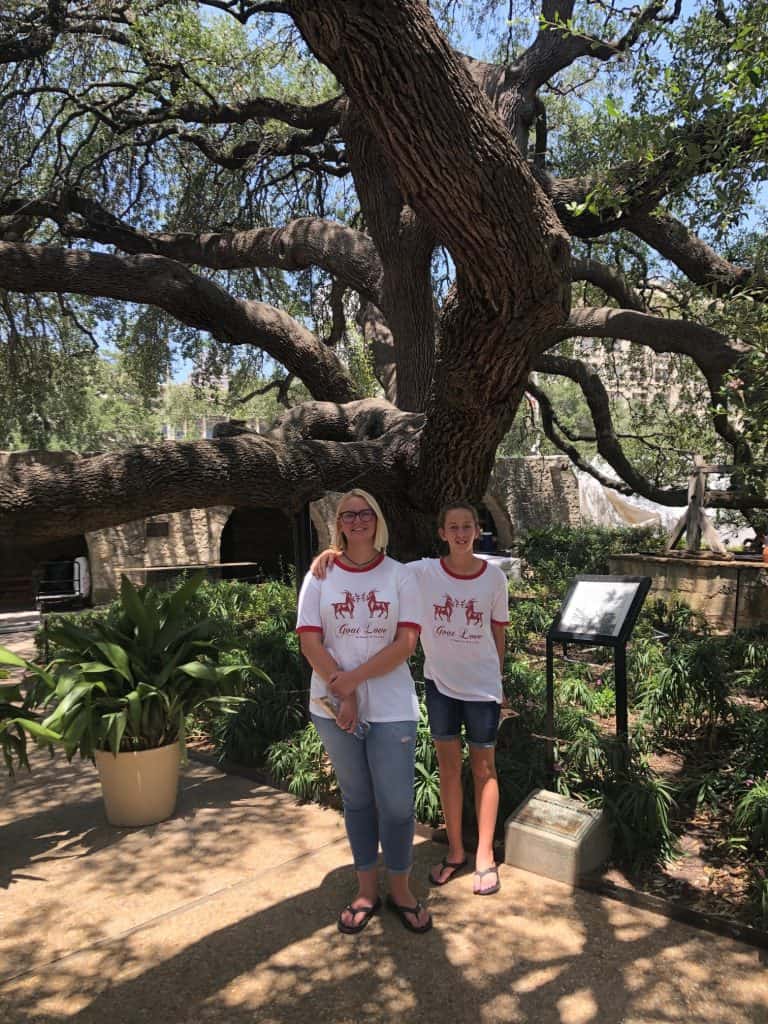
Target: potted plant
119, 693
13, 739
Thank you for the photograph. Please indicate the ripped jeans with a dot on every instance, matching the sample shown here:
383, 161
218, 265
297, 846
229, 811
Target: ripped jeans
375, 776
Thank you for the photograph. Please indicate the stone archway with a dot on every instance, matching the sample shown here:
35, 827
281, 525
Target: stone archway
502, 524
260, 535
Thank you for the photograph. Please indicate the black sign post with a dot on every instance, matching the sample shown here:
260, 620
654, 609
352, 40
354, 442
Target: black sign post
600, 611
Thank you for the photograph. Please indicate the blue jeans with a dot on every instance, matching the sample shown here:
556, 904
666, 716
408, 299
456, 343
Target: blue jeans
375, 776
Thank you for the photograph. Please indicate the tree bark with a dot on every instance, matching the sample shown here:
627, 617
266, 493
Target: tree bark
42, 503
404, 245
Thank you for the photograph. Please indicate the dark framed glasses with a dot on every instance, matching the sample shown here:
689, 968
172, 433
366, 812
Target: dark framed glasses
365, 515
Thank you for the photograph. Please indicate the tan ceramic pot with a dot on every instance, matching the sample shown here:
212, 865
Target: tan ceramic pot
139, 788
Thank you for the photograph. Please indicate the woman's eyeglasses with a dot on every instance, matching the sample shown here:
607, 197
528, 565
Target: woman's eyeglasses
366, 515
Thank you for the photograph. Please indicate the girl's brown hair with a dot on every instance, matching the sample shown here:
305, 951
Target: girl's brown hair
454, 506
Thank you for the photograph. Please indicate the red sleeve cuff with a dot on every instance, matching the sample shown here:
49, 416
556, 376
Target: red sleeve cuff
410, 625
309, 629
496, 622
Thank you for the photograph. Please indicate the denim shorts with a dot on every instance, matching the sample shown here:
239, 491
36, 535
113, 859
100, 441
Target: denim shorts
446, 715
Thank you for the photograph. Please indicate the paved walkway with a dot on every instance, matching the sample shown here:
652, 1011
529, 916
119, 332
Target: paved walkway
226, 913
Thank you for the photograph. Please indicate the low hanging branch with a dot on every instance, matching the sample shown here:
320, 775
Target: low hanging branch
609, 445
347, 254
40, 503
193, 300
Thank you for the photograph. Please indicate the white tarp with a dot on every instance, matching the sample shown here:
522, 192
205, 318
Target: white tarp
605, 507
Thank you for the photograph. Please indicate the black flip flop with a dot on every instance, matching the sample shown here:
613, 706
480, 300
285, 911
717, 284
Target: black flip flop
457, 865
354, 929
402, 913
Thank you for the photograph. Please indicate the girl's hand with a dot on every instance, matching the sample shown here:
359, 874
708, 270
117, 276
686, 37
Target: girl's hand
342, 685
346, 717
323, 563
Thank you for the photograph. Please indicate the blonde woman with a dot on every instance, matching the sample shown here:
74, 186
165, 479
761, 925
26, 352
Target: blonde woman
358, 627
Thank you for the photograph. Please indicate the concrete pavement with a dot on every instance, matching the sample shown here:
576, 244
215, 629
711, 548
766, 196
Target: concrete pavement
226, 913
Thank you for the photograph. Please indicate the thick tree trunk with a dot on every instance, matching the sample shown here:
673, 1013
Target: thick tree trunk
480, 376
404, 244
458, 168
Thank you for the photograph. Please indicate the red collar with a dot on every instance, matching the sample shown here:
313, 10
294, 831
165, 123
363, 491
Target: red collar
362, 568
458, 576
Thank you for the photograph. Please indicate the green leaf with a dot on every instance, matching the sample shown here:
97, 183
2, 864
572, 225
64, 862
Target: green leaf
180, 598
115, 729
118, 659
134, 712
9, 658
199, 670
40, 732
611, 108
95, 668
136, 610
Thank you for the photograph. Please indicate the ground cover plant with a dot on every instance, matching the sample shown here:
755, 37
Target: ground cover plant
690, 802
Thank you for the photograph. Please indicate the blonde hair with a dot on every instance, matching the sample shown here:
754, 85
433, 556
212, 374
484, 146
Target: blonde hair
380, 538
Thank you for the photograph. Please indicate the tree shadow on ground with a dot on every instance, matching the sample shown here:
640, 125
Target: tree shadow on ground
576, 960
201, 920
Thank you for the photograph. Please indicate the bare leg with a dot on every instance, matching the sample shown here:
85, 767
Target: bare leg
449, 759
483, 764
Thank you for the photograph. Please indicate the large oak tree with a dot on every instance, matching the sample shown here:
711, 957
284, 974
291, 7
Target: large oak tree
168, 167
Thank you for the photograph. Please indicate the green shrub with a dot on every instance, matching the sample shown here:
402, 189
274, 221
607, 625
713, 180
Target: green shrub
757, 892
673, 618
269, 712
690, 692
751, 814
13, 738
302, 761
529, 618
426, 790
555, 554
638, 804
604, 701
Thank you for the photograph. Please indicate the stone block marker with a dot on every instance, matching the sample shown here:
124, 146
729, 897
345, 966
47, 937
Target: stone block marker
556, 836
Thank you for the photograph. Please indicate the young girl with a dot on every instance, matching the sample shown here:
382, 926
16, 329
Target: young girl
358, 627
463, 618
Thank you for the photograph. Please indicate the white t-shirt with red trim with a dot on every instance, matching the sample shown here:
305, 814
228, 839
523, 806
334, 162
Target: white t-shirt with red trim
358, 612
457, 613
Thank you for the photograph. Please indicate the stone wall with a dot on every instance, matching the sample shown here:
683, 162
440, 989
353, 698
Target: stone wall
193, 538
729, 594
536, 491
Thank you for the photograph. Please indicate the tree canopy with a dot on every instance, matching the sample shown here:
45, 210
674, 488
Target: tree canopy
415, 212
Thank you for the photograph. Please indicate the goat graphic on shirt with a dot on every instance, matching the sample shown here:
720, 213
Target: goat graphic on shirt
378, 610
443, 614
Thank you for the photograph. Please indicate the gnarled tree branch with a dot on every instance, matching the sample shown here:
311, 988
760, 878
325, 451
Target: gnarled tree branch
193, 300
